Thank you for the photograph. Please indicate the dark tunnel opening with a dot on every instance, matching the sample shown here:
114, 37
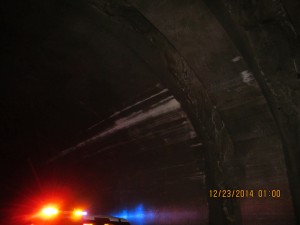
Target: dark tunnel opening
142, 111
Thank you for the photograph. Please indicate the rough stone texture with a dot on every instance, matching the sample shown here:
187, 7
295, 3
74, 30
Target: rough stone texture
88, 98
270, 31
212, 54
183, 82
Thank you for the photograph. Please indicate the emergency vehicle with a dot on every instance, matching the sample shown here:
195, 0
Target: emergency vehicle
53, 216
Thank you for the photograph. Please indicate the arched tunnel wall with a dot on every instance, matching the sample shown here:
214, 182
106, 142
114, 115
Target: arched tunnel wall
89, 114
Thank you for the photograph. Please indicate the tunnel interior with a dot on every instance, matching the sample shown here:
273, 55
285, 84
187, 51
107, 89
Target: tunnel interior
140, 109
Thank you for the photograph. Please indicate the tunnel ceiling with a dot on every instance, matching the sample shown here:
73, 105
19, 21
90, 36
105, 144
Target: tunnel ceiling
86, 91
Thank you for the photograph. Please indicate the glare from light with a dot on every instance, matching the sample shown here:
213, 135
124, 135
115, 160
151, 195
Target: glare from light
79, 212
49, 212
138, 213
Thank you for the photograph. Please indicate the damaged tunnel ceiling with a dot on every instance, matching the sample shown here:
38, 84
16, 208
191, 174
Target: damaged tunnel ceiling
152, 103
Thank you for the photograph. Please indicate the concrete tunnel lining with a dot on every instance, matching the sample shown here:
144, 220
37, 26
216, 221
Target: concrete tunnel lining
125, 24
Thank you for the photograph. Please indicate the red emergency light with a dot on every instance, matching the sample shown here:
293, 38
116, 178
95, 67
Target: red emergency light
49, 212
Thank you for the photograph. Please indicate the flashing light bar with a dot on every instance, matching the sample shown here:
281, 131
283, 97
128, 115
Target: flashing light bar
50, 212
